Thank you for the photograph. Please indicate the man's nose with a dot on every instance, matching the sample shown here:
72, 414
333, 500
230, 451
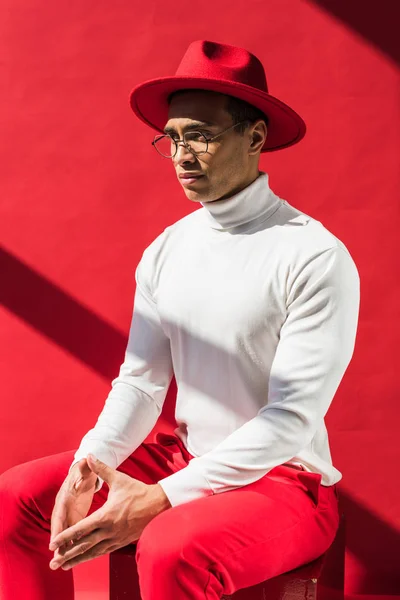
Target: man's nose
183, 154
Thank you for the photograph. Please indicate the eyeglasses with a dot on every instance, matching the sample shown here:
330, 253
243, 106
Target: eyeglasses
195, 141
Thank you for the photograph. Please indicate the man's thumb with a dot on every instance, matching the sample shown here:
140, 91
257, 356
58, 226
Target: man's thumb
97, 466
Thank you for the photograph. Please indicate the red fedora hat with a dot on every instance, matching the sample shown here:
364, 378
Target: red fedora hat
226, 69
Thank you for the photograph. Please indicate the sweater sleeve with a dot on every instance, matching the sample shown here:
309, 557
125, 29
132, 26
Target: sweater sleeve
316, 344
137, 395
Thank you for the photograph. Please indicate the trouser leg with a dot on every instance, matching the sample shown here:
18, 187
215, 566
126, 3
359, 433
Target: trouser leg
219, 544
27, 494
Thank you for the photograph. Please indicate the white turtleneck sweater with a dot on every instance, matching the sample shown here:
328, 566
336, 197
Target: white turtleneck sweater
253, 305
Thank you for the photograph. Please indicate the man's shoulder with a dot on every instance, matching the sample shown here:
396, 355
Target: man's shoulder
306, 233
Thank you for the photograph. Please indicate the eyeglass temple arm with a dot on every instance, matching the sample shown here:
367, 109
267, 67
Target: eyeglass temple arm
225, 130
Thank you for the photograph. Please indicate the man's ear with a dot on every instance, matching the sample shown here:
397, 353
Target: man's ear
258, 136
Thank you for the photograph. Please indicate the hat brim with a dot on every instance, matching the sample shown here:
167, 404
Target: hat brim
149, 101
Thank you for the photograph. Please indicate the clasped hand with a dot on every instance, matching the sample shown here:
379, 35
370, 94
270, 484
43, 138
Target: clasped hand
130, 506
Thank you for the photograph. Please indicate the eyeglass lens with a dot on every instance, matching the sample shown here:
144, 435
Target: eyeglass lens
195, 141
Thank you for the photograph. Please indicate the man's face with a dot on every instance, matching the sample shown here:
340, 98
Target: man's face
224, 168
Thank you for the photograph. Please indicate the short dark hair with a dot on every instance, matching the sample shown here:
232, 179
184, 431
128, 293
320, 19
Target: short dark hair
240, 110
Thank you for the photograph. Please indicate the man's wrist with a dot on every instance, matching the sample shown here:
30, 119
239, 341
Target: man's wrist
162, 497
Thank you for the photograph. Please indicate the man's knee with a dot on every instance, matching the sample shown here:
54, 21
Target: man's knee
171, 537
12, 482
12, 499
20, 482
29, 489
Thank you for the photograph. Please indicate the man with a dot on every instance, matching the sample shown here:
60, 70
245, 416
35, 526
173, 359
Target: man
253, 305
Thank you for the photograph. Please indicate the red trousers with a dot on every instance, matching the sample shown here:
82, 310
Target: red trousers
195, 551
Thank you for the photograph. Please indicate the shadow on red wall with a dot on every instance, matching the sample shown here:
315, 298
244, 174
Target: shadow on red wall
378, 22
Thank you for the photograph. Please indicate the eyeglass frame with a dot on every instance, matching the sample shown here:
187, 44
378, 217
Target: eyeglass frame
186, 144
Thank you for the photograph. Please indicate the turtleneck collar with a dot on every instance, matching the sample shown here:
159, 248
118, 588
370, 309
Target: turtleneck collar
254, 201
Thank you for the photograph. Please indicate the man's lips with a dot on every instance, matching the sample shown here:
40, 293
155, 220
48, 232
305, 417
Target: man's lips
188, 179
189, 175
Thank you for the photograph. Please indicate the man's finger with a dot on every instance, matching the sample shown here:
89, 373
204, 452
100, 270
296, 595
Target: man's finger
99, 549
79, 530
58, 520
57, 526
101, 469
81, 547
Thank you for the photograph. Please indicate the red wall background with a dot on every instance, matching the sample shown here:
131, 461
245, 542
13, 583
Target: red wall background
83, 193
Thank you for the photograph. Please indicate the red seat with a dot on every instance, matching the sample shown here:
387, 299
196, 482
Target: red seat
322, 579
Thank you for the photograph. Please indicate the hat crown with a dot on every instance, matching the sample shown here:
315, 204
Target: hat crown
212, 60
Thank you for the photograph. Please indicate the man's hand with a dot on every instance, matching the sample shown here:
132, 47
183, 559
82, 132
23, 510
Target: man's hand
130, 506
74, 498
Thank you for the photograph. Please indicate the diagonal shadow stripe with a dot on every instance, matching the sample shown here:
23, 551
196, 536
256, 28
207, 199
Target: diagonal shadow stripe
376, 21
60, 317
375, 543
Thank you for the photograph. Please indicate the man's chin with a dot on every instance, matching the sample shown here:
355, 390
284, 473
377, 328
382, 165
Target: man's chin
195, 196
